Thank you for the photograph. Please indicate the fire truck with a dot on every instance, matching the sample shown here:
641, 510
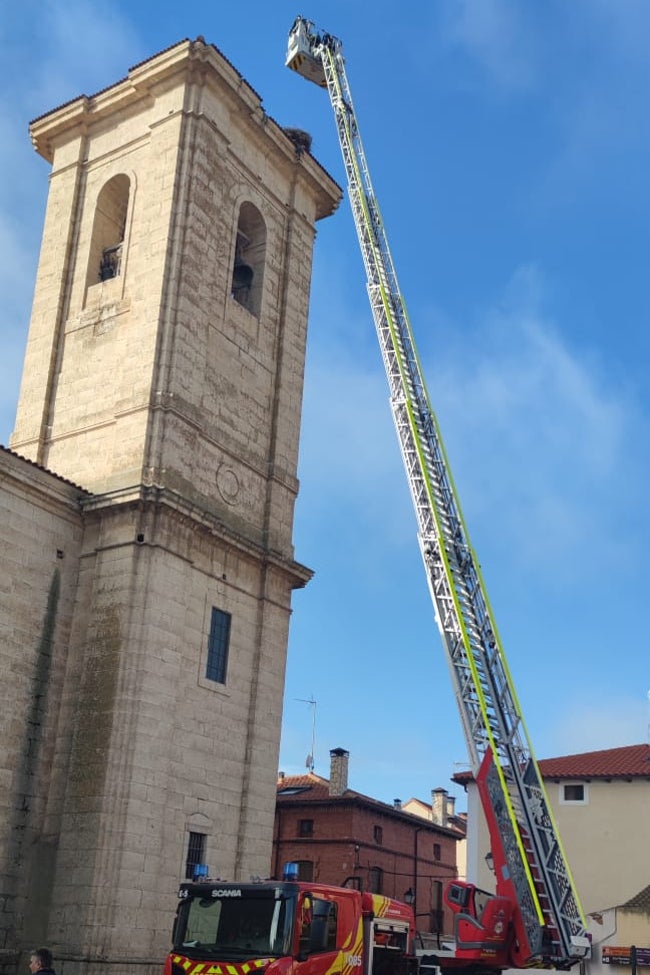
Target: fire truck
277, 927
535, 917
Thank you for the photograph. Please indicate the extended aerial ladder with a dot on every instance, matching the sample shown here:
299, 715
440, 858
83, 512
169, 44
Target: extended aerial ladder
547, 923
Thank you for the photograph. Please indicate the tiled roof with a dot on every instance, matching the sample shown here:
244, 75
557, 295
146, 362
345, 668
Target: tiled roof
463, 778
457, 821
631, 761
312, 788
628, 762
46, 470
199, 39
112, 85
640, 903
308, 787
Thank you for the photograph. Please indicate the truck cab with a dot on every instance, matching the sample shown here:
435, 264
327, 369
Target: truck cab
289, 927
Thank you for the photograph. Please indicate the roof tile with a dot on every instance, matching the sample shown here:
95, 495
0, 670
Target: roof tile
628, 762
640, 903
301, 789
631, 761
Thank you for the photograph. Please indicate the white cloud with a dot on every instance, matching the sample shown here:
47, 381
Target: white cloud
17, 268
349, 410
49, 52
538, 435
495, 34
78, 43
606, 720
587, 59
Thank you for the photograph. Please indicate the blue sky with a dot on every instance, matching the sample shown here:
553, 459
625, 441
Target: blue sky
509, 148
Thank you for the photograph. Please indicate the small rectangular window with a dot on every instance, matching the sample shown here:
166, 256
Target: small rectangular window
218, 643
437, 851
437, 914
305, 827
574, 794
195, 853
378, 834
306, 870
376, 880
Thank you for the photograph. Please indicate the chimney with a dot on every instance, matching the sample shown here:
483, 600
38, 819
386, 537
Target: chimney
451, 808
439, 806
397, 803
338, 771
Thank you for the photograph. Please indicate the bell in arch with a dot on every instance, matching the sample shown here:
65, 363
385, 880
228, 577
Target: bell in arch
242, 279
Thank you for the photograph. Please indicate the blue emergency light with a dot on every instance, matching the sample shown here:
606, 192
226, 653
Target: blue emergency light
290, 871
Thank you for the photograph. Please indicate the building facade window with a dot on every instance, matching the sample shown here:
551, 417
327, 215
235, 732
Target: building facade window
378, 834
574, 794
437, 913
305, 870
305, 827
437, 851
195, 854
376, 880
218, 645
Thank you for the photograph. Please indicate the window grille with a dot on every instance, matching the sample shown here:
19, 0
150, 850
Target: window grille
195, 853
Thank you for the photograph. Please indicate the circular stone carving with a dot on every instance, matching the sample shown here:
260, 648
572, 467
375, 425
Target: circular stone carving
228, 484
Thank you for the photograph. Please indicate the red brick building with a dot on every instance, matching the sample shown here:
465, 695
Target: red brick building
337, 835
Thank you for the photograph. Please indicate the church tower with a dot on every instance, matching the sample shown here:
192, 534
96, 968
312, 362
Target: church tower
163, 375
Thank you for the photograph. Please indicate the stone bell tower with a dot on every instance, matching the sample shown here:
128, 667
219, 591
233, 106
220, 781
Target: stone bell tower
163, 375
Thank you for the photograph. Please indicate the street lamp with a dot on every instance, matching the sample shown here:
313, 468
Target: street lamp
489, 860
409, 897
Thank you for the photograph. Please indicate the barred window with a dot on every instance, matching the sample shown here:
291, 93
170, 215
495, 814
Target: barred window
195, 853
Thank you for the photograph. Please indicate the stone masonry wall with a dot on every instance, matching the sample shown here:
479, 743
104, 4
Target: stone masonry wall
40, 535
180, 410
156, 749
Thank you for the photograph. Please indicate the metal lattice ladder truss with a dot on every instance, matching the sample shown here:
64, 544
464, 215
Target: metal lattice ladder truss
483, 687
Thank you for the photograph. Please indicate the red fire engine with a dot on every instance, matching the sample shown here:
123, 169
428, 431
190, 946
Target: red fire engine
289, 926
534, 919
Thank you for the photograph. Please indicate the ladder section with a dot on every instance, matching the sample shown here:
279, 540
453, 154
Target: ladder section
483, 687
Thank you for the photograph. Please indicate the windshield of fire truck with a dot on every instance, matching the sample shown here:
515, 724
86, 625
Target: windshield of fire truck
234, 928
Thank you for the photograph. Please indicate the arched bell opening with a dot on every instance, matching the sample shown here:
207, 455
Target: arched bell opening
248, 263
109, 224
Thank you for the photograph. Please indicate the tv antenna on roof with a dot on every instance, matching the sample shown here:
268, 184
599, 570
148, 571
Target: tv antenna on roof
309, 762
